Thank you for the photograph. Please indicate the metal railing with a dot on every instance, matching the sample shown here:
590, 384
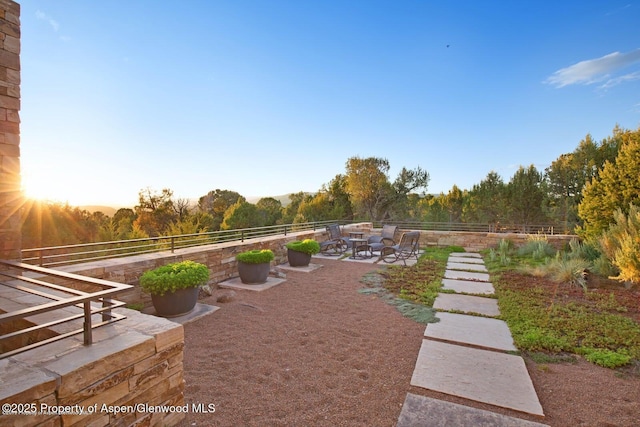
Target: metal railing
49, 300
70, 254
474, 227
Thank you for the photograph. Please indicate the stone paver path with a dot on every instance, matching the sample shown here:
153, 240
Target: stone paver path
467, 356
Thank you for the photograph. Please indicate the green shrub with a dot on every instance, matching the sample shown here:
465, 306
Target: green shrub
586, 250
571, 271
256, 256
172, 277
537, 247
307, 246
620, 244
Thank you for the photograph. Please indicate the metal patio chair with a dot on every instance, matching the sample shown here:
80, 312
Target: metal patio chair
386, 238
408, 247
336, 244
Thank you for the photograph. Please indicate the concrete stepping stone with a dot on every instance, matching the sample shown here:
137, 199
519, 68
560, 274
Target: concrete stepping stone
481, 375
473, 330
468, 286
466, 275
467, 303
465, 266
305, 269
466, 260
426, 411
236, 283
466, 254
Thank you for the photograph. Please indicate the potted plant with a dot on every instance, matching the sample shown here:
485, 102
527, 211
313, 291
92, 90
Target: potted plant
299, 252
174, 287
254, 265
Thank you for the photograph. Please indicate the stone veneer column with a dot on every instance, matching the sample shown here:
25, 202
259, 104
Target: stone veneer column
11, 199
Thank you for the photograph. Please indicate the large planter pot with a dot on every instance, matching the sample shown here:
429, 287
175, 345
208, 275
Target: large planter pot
175, 303
297, 258
253, 273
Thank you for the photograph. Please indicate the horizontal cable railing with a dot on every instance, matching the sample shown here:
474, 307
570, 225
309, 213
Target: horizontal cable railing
70, 254
52, 311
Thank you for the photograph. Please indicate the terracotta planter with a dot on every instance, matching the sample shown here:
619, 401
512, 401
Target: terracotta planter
177, 303
253, 273
298, 259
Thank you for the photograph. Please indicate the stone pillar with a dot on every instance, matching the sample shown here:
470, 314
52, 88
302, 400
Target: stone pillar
11, 198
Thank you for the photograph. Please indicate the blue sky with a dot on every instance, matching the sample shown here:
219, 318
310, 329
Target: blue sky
271, 97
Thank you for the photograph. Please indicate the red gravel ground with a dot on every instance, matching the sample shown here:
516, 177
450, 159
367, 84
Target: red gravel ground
315, 352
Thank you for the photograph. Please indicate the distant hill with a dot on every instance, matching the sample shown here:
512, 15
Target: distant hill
110, 211
107, 210
284, 199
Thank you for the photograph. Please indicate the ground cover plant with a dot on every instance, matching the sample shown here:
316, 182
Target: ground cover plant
423, 281
412, 289
557, 305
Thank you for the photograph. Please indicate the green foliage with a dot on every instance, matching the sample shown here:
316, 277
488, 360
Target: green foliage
216, 203
172, 277
373, 196
270, 209
525, 197
537, 247
621, 244
501, 253
256, 256
307, 246
242, 215
570, 271
616, 188
487, 200
538, 322
606, 358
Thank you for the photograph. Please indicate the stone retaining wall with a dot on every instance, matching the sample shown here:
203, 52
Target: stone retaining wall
220, 258
133, 365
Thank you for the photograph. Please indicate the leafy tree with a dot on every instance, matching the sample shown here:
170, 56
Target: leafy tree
453, 202
291, 210
270, 209
216, 203
525, 197
404, 186
567, 176
155, 211
486, 200
368, 185
616, 187
123, 221
371, 193
434, 208
339, 197
55, 224
318, 208
242, 215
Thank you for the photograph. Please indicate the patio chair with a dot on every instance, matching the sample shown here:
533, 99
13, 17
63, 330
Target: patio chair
336, 244
386, 238
408, 247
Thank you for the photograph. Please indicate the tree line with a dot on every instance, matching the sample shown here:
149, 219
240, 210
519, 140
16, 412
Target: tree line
579, 192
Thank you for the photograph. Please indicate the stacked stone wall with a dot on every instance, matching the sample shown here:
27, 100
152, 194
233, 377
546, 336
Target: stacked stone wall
220, 258
11, 200
133, 365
